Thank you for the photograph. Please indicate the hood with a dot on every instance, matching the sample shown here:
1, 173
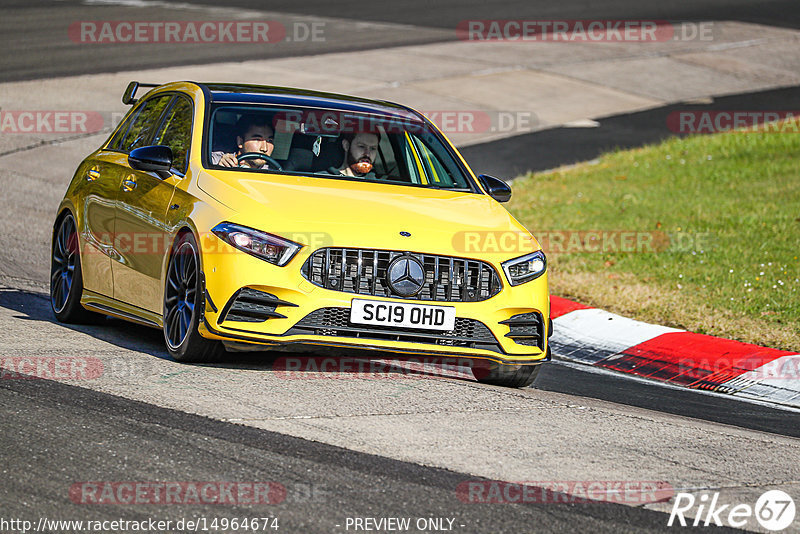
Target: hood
350, 213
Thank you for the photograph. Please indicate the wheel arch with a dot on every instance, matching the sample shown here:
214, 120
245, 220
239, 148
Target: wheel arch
64, 210
185, 227
182, 229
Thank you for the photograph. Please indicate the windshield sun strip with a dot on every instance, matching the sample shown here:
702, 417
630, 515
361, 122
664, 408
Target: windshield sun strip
430, 178
423, 177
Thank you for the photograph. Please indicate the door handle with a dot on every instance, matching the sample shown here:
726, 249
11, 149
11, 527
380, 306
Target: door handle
128, 184
92, 175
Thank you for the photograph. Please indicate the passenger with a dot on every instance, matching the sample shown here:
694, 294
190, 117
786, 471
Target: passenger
361, 150
253, 134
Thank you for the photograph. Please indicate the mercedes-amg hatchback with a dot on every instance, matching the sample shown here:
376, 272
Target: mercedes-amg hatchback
239, 216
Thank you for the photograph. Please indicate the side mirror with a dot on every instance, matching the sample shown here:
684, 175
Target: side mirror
497, 188
156, 158
129, 96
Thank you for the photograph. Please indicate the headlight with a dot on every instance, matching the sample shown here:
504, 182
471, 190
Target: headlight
526, 268
262, 245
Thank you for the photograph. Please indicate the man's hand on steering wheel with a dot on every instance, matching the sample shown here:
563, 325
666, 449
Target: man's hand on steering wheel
228, 160
258, 155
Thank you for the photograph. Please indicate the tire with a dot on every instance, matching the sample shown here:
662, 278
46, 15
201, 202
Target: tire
66, 277
511, 376
183, 301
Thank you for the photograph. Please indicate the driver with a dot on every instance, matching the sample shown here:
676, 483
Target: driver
360, 150
253, 135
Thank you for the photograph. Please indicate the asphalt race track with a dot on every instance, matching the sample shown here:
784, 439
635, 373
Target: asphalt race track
84, 435
32, 33
57, 435
345, 445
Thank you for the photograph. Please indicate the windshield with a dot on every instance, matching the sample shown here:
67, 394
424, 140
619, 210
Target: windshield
397, 149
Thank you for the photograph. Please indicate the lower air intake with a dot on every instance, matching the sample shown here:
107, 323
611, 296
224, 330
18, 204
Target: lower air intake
250, 305
526, 329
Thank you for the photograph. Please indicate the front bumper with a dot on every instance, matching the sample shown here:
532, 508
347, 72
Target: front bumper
307, 315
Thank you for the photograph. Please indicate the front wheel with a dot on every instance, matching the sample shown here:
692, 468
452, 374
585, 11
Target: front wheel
183, 301
512, 376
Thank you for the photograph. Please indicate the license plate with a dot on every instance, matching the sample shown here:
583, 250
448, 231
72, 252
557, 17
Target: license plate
403, 315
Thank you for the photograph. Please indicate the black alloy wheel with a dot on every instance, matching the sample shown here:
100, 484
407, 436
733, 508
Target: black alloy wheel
66, 279
183, 305
179, 301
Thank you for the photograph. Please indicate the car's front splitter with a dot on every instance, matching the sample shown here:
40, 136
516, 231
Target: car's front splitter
379, 348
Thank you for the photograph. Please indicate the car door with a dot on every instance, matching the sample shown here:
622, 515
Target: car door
141, 213
136, 207
97, 192
101, 178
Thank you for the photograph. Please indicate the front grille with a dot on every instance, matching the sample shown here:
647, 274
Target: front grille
336, 322
526, 329
363, 271
252, 306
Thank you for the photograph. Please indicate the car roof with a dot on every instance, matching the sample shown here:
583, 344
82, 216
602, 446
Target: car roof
289, 96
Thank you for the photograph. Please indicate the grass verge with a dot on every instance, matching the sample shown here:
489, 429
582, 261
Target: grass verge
701, 233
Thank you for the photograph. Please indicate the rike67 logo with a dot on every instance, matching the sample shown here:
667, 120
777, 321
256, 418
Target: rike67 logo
774, 510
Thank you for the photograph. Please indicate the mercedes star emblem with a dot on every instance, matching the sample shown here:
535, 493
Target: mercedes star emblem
405, 276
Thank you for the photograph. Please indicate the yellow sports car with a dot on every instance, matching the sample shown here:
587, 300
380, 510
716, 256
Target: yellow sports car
251, 217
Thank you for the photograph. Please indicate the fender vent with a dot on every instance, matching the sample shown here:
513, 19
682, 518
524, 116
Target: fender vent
526, 329
249, 305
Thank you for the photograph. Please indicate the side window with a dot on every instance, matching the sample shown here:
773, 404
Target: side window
117, 139
144, 123
176, 132
412, 161
434, 169
440, 169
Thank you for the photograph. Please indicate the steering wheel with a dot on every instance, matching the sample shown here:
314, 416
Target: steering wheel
258, 155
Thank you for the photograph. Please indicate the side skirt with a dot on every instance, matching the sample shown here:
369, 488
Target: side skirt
108, 306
